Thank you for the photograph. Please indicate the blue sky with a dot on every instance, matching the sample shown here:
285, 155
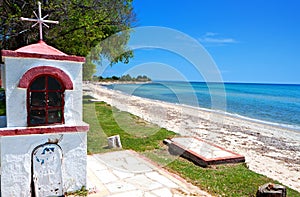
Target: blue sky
256, 41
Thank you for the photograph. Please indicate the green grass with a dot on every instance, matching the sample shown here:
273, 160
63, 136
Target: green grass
115, 122
234, 180
96, 139
105, 121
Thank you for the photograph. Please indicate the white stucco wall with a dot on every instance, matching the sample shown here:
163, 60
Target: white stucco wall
16, 151
16, 161
14, 68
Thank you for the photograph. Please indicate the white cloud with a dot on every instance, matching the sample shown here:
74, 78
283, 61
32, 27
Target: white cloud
210, 34
214, 38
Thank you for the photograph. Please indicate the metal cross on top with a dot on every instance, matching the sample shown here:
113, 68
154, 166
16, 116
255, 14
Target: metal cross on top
39, 20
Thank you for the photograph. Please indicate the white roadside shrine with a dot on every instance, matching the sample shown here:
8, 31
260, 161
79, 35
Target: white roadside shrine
43, 140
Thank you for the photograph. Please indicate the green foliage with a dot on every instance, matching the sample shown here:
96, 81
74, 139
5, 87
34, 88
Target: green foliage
83, 25
2, 109
82, 192
88, 70
2, 102
232, 180
124, 78
142, 78
139, 78
115, 78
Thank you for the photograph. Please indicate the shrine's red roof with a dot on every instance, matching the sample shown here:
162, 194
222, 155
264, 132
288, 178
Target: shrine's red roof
41, 50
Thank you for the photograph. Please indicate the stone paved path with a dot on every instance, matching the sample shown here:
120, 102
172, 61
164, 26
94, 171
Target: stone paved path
126, 173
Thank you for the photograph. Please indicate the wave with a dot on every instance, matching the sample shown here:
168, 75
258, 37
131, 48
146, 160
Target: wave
281, 125
238, 116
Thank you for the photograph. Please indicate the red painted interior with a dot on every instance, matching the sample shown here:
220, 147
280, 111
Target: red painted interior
46, 106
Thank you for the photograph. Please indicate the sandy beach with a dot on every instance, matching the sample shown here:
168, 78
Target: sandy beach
269, 150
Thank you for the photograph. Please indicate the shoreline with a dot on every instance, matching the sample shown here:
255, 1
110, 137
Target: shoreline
269, 150
290, 127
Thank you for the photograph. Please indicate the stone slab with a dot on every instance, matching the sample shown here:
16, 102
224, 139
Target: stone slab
202, 152
148, 180
124, 161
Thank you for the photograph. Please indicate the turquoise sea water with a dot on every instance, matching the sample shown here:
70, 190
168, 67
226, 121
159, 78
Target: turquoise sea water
270, 103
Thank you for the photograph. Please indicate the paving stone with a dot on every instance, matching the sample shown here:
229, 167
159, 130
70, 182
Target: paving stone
94, 185
125, 161
105, 176
114, 177
163, 192
180, 195
138, 168
161, 179
149, 194
122, 174
143, 182
120, 186
95, 164
131, 161
136, 193
136, 165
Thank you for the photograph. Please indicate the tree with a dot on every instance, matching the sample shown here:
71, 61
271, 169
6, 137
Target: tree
143, 78
115, 78
83, 25
126, 78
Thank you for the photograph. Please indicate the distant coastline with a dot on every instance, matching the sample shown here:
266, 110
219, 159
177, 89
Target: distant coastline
124, 79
